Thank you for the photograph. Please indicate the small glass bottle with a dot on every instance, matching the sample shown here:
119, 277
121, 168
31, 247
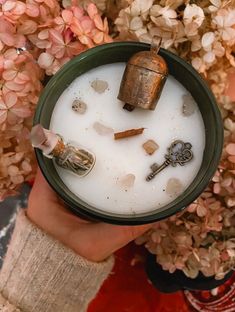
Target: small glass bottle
70, 156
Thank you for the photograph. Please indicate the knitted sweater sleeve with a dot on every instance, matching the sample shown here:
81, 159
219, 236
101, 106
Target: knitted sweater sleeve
40, 274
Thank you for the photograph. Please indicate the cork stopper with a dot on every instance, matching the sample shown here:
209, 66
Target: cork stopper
43, 139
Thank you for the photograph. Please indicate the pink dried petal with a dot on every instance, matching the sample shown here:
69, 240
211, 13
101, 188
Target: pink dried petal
26, 89
10, 99
7, 39
86, 41
44, 34
67, 16
26, 166
3, 116
98, 38
227, 182
11, 54
230, 148
18, 179
19, 9
92, 10
74, 48
207, 39
9, 74
86, 24
8, 5
9, 64
231, 159
56, 36
32, 10
216, 188
24, 75
45, 60
105, 26
28, 27
191, 208
12, 119
98, 22
50, 3
209, 57
68, 36
17, 157
20, 41
76, 27
13, 170
201, 211
78, 12
13, 86
18, 80
2, 105
21, 111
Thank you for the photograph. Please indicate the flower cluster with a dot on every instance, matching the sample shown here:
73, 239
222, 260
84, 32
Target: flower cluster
202, 238
202, 34
36, 38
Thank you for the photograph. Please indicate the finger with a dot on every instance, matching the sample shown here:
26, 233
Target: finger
41, 189
45, 201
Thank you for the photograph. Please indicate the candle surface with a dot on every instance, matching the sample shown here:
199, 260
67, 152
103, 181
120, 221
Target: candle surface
117, 183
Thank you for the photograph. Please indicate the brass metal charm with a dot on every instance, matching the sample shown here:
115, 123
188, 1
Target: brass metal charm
143, 79
178, 153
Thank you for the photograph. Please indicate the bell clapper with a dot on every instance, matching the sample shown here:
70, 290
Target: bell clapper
128, 107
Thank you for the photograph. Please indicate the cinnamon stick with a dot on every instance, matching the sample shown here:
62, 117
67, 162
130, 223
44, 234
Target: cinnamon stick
127, 133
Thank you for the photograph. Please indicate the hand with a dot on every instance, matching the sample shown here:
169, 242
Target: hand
93, 241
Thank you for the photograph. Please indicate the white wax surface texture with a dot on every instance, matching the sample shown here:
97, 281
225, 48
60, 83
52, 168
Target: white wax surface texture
117, 158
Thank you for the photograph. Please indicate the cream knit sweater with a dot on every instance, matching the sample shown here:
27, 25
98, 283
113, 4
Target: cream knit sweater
40, 274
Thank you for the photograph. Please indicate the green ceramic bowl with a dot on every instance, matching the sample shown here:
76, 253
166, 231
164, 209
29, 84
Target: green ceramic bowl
186, 75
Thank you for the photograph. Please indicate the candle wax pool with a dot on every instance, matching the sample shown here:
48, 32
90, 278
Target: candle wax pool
117, 183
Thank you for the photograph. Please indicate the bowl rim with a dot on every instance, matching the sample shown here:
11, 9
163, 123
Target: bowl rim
154, 215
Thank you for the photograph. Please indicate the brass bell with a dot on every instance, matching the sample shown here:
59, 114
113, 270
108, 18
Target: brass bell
143, 80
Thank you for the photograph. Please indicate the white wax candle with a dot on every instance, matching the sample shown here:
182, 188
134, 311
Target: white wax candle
102, 188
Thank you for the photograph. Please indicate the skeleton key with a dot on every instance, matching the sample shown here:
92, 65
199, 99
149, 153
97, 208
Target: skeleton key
178, 153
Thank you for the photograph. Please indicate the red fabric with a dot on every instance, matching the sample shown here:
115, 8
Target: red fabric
128, 290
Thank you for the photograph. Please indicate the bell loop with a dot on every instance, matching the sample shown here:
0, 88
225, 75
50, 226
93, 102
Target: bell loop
155, 45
